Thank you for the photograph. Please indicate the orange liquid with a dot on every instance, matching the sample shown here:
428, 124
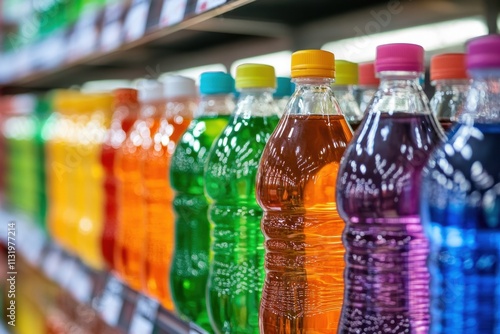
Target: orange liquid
159, 234
131, 222
303, 289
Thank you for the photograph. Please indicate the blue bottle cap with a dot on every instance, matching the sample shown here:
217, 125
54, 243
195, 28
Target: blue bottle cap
284, 87
216, 83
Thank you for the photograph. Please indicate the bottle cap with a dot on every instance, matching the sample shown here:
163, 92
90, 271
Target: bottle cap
177, 86
366, 72
150, 90
399, 57
126, 95
346, 72
448, 66
483, 52
216, 83
283, 87
313, 63
255, 76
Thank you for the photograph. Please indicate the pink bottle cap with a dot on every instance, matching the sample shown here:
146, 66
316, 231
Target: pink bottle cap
483, 52
399, 57
366, 74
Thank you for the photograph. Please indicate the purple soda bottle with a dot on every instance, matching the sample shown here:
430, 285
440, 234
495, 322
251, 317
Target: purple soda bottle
386, 279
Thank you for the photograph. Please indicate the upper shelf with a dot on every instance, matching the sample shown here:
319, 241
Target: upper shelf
155, 36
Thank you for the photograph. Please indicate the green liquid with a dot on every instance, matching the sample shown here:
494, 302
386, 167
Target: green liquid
189, 272
237, 252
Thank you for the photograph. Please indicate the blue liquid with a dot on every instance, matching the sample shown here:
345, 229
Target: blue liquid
461, 215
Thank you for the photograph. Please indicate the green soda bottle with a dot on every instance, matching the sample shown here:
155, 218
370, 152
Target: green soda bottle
237, 250
189, 271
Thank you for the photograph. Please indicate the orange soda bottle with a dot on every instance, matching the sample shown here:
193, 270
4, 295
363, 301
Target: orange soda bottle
166, 130
303, 288
131, 212
126, 110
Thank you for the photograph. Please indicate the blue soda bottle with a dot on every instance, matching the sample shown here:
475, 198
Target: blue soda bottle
386, 278
461, 206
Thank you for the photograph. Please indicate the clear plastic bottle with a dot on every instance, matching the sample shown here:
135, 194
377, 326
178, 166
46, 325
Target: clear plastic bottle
158, 247
367, 84
346, 77
131, 224
386, 278
237, 250
461, 205
189, 271
304, 288
284, 89
126, 112
449, 75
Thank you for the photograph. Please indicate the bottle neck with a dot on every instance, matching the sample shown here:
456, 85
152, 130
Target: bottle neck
400, 92
483, 98
313, 96
215, 105
256, 102
447, 85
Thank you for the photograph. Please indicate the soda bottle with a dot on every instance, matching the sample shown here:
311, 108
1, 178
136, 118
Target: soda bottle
461, 205
166, 130
131, 224
189, 271
284, 89
237, 249
126, 111
92, 124
303, 288
449, 75
346, 77
367, 84
386, 279
58, 131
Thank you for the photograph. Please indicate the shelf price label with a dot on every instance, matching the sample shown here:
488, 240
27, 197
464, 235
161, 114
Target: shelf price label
137, 17
144, 317
204, 5
172, 12
81, 284
110, 303
84, 39
51, 262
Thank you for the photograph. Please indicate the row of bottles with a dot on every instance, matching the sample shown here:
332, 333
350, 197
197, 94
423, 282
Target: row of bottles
272, 217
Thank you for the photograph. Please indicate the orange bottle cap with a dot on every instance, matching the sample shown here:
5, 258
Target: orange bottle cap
448, 66
313, 63
367, 76
126, 95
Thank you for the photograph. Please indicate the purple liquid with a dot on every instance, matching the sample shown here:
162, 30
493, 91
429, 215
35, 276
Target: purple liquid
386, 279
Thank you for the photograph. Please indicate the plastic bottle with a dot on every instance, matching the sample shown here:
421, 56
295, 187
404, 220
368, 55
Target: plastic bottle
236, 271
303, 289
189, 271
126, 112
59, 166
449, 75
131, 228
180, 94
461, 205
92, 126
367, 84
386, 279
284, 89
346, 77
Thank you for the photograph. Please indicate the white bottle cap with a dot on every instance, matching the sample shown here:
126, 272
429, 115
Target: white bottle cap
177, 86
149, 90
104, 86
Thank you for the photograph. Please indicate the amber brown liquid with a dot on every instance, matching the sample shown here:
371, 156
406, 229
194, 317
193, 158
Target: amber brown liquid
296, 185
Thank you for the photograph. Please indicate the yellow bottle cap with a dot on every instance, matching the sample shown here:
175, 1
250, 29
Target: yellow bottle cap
255, 76
313, 63
62, 100
346, 72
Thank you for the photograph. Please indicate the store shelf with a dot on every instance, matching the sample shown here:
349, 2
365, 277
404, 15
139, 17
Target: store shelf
234, 30
118, 307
